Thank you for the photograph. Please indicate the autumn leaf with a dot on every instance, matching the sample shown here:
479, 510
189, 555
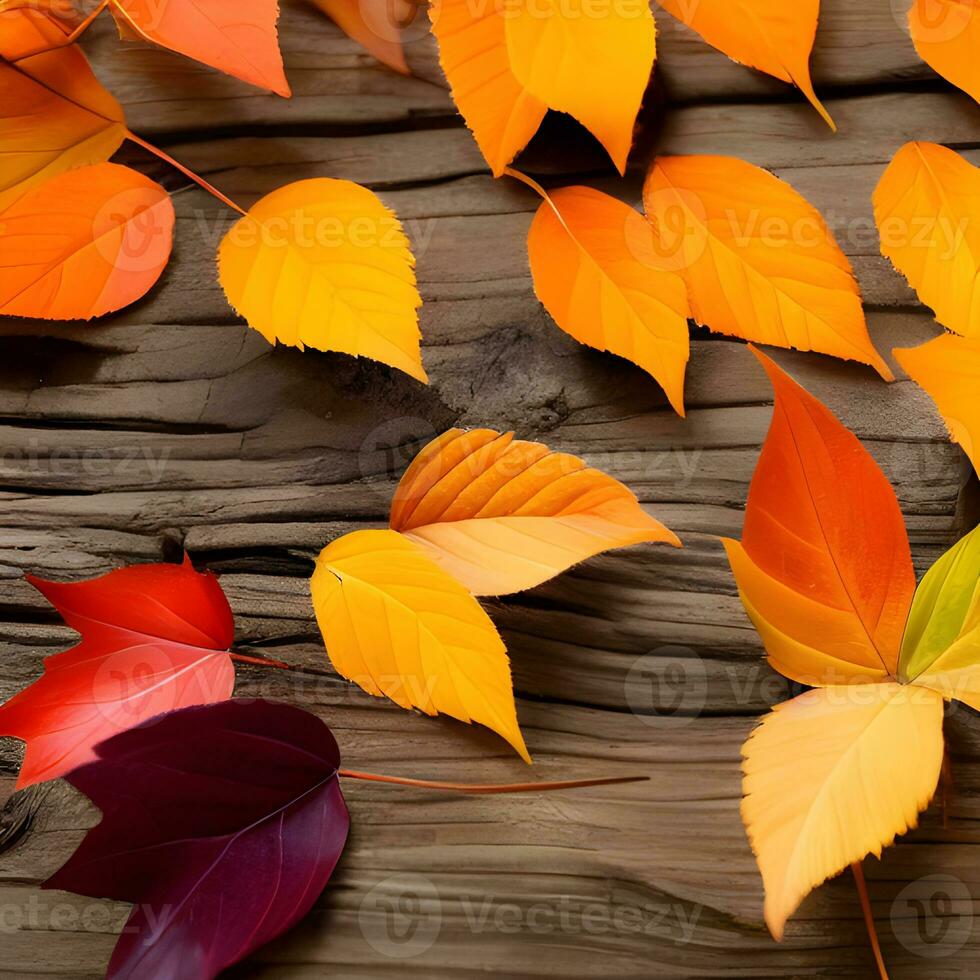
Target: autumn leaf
237, 37
946, 34
499, 110
824, 565
834, 775
323, 263
222, 824
825, 574
927, 208
154, 638
54, 114
501, 515
85, 243
598, 273
772, 36
400, 627
595, 68
374, 25
948, 367
759, 260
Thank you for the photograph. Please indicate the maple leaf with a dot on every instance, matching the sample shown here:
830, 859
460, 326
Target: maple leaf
323, 263
825, 574
222, 824
237, 37
54, 114
759, 261
946, 35
926, 209
374, 24
770, 35
501, 515
399, 626
84, 243
154, 637
597, 270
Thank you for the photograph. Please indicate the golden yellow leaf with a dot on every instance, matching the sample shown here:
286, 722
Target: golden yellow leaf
948, 367
323, 263
927, 207
832, 776
54, 114
774, 36
502, 115
593, 63
398, 626
597, 272
946, 34
501, 515
759, 260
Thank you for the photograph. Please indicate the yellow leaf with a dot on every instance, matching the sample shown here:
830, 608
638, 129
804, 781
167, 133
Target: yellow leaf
946, 34
323, 263
501, 515
398, 626
593, 63
597, 272
502, 115
759, 261
54, 114
927, 207
774, 36
948, 367
832, 776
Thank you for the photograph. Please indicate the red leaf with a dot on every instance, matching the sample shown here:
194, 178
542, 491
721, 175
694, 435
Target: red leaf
222, 824
154, 638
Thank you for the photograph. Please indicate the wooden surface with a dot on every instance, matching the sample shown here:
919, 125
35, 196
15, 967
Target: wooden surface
173, 426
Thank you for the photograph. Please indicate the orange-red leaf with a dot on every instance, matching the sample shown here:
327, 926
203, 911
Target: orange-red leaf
501, 515
597, 271
948, 368
237, 37
374, 24
85, 243
759, 260
946, 34
774, 36
499, 110
824, 566
54, 114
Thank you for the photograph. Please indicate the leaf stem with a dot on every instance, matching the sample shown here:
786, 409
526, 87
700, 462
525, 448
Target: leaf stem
167, 158
487, 788
68, 38
244, 658
869, 921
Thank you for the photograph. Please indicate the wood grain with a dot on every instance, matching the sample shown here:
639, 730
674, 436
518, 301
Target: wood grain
172, 426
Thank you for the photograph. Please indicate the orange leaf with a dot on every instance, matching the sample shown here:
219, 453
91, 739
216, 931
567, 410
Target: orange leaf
948, 368
374, 25
774, 36
501, 113
759, 261
597, 271
927, 208
55, 115
824, 566
946, 34
834, 775
237, 37
85, 243
502, 516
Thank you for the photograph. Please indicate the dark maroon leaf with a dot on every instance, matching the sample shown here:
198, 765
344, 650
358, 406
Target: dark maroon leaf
222, 824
